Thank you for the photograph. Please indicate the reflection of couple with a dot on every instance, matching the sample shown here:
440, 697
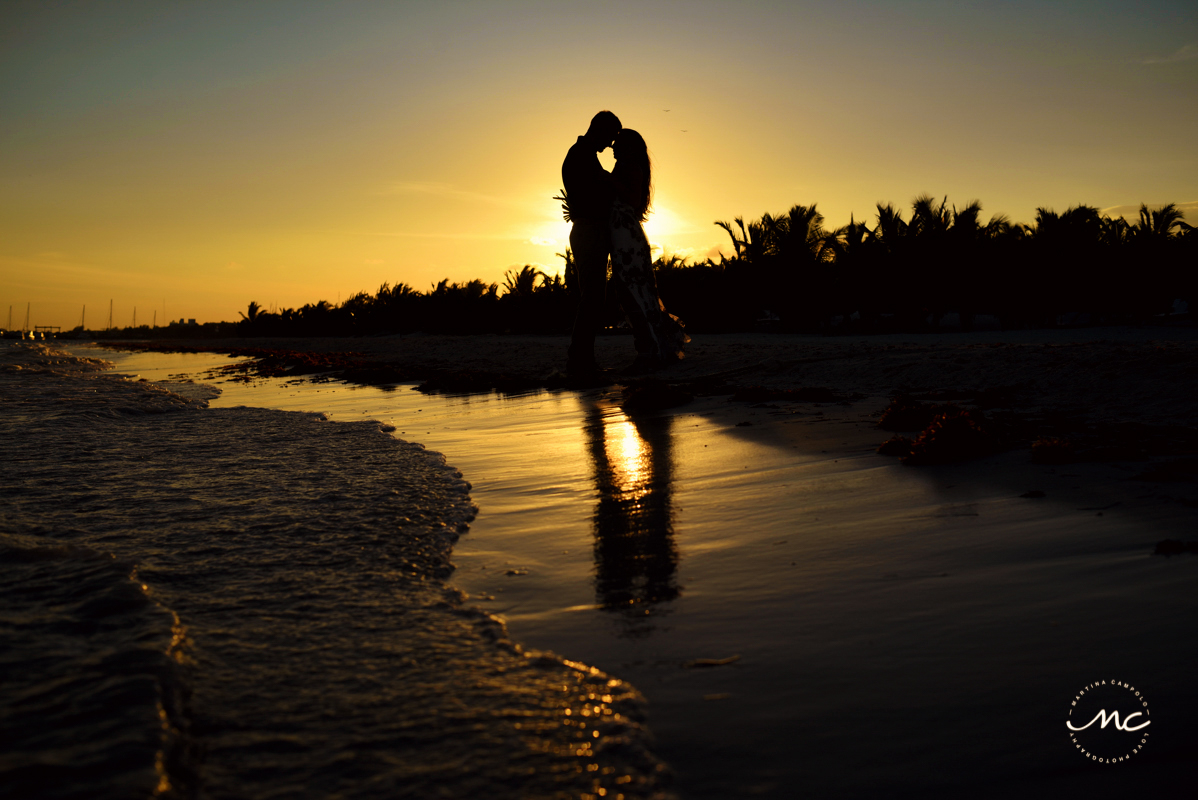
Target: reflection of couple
607, 210
636, 561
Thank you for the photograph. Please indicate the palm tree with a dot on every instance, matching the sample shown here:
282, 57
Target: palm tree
568, 273
927, 219
854, 250
1158, 224
524, 282
896, 279
891, 229
1115, 231
966, 223
1153, 248
742, 244
670, 262
850, 238
252, 312
802, 237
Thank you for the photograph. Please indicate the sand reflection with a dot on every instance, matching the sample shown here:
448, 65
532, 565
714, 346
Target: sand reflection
635, 557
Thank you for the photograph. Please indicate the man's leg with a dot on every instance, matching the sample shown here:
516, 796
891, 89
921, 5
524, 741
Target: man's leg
590, 242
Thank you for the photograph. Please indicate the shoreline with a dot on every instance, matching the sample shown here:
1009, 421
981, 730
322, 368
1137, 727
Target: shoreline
1117, 393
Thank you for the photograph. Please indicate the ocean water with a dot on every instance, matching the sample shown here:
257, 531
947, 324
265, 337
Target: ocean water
242, 602
801, 615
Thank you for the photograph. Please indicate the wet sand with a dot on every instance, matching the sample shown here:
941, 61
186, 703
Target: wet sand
803, 614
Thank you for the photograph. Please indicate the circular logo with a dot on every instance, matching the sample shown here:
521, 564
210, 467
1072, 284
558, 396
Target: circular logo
1109, 721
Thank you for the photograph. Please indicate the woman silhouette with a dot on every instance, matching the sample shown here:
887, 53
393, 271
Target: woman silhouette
659, 335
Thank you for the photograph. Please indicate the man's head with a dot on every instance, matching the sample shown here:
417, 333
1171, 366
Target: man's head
604, 127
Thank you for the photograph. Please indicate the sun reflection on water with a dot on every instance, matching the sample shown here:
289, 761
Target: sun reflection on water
635, 556
630, 455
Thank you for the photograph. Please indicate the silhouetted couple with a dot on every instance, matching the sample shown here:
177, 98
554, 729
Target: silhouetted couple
607, 210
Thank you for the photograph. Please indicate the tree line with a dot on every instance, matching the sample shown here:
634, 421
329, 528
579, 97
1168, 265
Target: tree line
905, 272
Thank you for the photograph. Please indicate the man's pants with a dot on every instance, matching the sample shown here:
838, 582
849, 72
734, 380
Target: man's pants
591, 244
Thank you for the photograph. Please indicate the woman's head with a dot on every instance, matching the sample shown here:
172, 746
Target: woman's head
630, 144
632, 158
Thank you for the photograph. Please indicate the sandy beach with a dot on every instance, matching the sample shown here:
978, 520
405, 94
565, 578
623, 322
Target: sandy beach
802, 613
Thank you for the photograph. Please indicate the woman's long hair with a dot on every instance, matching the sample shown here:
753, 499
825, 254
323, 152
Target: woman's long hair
633, 171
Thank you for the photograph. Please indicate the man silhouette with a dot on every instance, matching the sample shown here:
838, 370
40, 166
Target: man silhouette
589, 192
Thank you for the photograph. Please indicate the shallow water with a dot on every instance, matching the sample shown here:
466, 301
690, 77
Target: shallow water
893, 628
240, 602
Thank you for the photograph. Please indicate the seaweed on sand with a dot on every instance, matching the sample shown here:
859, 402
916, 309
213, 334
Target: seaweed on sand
905, 413
957, 434
1174, 547
953, 434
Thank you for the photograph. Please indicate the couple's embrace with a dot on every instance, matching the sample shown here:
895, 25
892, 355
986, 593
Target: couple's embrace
606, 210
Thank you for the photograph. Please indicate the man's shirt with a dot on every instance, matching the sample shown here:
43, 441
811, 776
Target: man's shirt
588, 185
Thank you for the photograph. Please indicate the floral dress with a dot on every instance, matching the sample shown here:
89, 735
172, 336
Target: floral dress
659, 334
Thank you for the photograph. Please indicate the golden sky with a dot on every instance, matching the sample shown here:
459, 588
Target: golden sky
184, 159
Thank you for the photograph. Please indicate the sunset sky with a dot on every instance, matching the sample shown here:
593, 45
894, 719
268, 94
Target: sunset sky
203, 155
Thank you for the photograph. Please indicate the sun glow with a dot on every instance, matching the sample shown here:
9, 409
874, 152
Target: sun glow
665, 229
664, 224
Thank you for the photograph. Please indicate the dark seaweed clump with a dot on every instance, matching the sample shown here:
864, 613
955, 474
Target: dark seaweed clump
1174, 547
953, 434
905, 413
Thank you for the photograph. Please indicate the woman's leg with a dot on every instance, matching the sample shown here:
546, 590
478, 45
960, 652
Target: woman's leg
635, 312
632, 271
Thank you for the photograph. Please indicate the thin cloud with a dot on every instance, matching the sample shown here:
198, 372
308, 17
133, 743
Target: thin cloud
716, 252
489, 237
1186, 53
449, 191
543, 241
1188, 210
66, 270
